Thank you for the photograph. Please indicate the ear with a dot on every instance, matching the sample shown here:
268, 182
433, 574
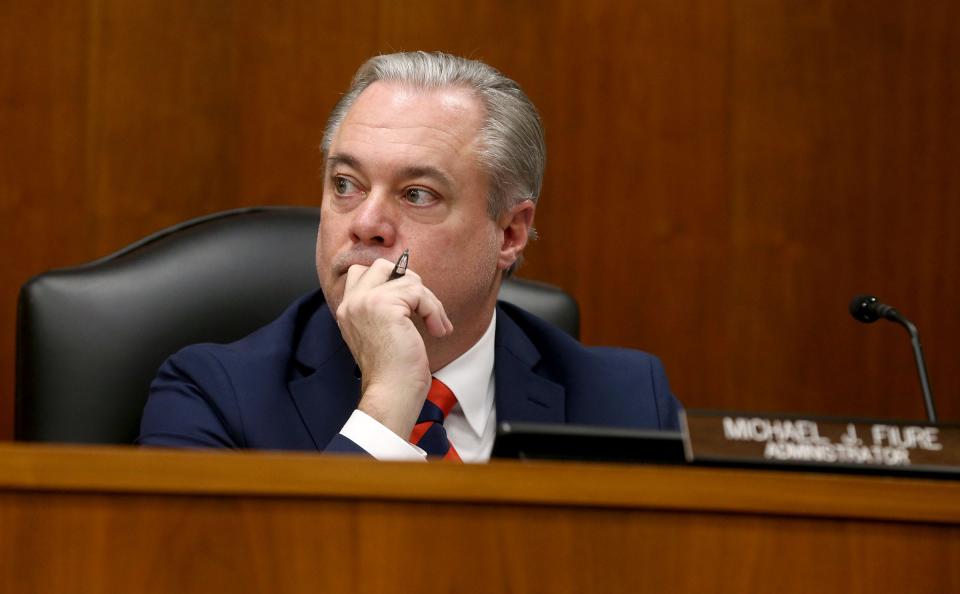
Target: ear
515, 228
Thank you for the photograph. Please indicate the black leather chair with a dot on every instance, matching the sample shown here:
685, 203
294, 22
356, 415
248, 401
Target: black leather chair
90, 338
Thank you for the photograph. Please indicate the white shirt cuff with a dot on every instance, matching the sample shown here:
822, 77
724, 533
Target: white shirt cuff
378, 441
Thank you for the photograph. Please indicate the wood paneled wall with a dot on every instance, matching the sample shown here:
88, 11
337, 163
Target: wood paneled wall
723, 176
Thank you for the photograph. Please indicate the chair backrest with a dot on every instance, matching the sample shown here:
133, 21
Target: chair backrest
91, 338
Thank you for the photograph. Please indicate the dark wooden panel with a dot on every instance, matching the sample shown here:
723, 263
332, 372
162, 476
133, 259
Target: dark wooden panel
165, 544
845, 131
722, 176
635, 216
44, 208
163, 115
295, 59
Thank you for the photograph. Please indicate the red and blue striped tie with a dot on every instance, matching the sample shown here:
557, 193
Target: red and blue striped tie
429, 433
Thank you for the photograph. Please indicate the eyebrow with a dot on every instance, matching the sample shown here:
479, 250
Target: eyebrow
412, 171
348, 160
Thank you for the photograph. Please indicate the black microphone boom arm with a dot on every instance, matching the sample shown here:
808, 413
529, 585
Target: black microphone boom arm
867, 309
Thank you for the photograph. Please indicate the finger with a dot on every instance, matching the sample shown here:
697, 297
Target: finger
445, 325
376, 274
357, 272
423, 303
353, 275
366, 277
410, 273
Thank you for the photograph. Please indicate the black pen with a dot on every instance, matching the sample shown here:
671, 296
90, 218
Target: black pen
401, 268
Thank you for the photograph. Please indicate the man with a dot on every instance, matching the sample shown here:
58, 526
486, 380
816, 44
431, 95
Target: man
443, 157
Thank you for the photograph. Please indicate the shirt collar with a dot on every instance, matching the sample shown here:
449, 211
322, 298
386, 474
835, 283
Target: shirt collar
470, 377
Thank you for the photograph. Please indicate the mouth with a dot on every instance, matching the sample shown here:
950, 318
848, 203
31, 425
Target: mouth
343, 263
342, 269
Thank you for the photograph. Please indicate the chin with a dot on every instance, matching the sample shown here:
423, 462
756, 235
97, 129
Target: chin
333, 292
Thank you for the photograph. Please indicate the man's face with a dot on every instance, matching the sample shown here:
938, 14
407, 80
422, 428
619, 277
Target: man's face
402, 172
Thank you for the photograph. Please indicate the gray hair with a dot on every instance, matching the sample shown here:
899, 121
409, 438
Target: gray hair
512, 146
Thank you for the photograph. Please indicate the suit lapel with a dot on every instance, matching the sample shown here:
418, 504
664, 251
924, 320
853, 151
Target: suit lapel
521, 394
325, 388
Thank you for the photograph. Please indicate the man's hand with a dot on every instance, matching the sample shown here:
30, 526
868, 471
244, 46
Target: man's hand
377, 321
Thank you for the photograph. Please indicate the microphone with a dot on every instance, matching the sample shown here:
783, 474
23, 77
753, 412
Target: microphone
868, 309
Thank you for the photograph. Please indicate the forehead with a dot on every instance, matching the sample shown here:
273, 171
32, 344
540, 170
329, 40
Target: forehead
395, 122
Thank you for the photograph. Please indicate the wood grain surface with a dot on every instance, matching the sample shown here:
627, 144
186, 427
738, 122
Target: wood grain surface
130, 470
722, 176
114, 520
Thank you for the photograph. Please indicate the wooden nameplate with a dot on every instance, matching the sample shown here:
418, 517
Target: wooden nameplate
846, 445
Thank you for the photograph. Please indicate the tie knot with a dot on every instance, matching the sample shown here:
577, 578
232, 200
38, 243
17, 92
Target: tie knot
441, 396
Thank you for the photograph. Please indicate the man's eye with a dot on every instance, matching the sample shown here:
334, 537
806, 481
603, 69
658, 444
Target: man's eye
345, 187
419, 196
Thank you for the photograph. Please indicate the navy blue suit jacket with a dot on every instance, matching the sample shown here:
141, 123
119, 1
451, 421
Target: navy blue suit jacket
292, 384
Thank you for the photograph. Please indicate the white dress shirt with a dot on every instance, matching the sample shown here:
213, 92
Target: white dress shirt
471, 424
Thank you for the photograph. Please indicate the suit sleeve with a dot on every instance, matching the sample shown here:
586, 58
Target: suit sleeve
342, 445
668, 407
192, 404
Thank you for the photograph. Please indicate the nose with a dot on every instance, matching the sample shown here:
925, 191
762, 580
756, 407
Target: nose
374, 221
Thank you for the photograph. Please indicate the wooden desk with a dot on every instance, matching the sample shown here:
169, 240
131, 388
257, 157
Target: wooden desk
75, 519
